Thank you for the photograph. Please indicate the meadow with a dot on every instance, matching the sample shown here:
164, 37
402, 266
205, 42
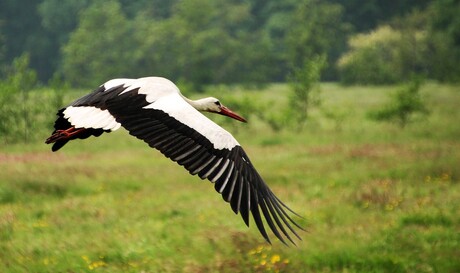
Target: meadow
373, 197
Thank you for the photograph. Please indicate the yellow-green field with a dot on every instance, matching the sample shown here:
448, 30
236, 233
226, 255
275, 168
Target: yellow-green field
374, 197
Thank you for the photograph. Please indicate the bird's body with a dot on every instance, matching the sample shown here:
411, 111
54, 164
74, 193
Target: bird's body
153, 110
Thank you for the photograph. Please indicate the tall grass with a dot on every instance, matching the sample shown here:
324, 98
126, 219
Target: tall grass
374, 198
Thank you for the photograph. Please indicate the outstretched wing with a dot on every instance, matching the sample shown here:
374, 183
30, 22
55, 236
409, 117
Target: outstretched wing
153, 110
187, 137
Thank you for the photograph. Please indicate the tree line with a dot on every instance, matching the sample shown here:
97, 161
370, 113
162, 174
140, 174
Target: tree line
200, 42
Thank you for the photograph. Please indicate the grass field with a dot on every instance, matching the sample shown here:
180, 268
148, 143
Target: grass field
374, 198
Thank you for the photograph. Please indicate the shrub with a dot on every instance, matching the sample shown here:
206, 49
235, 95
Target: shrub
384, 56
24, 114
404, 104
304, 83
14, 93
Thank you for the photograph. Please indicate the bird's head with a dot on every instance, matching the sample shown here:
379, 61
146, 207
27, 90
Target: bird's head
213, 105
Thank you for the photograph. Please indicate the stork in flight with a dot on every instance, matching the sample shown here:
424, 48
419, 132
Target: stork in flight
154, 110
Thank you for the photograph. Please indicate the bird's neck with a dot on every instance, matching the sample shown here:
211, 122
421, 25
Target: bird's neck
199, 104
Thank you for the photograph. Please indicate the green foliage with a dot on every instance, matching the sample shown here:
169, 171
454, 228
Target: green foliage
404, 104
445, 37
23, 33
101, 47
61, 16
305, 89
59, 89
200, 23
24, 113
415, 43
16, 105
365, 16
421, 42
445, 18
2, 49
204, 42
316, 29
379, 57
444, 58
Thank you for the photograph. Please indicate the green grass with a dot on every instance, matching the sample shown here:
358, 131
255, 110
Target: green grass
374, 198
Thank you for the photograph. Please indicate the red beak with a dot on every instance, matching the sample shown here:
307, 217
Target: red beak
229, 113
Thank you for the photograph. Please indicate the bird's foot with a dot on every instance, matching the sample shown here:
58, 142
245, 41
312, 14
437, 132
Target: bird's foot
64, 134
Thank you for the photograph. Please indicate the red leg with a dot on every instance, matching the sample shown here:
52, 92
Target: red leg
64, 134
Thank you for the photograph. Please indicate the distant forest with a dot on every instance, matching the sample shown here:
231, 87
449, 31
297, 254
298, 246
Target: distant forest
85, 42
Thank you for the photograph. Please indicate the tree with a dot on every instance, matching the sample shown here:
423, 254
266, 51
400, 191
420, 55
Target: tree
367, 15
155, 9
102, 47
17, 113
304, 83
316, 29
204, 42
445, 18
372, 58
445, 36
384, 56
19, 23
2, 48
305, 90
414, 44
59, 18
275, 20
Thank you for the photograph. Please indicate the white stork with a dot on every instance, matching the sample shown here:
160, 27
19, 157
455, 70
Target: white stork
153, 110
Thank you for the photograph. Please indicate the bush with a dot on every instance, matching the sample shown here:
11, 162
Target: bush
304, 83
384, 56
24, 114
14, 94
404, 104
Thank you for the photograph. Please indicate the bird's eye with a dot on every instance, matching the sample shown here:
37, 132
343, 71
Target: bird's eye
217, 103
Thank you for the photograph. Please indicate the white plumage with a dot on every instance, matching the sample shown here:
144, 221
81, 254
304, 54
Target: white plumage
91, 117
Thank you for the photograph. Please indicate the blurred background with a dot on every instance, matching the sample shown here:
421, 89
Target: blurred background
353, 110
225, 41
